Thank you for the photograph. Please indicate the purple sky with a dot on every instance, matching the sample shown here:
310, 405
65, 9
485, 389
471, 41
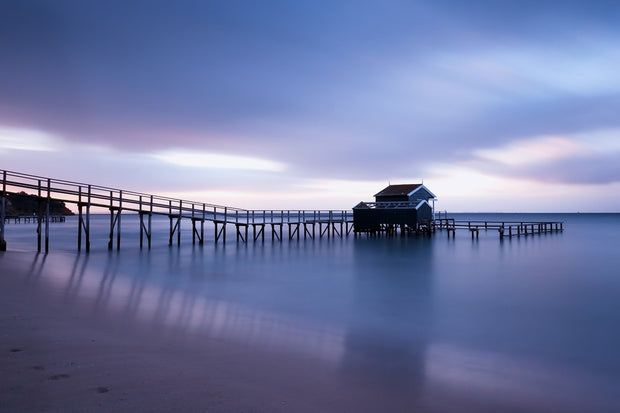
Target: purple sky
496, 105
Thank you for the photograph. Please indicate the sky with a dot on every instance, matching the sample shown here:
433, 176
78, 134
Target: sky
508, 106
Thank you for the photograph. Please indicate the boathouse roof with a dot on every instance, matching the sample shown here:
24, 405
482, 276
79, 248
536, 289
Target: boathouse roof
395, 190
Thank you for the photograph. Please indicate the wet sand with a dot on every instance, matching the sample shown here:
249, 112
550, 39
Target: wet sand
59, 357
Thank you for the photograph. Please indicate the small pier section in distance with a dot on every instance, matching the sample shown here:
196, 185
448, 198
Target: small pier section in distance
505, 229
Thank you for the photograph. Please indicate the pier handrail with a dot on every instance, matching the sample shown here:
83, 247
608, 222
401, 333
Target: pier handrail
134, 201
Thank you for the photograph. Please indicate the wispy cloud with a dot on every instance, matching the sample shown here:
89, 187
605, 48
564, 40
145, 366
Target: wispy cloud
197, 159
533, 151
29, 140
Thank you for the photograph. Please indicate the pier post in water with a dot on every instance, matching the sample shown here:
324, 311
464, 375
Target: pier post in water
202, 224
143, 227
175, 226
179, 222
3, 212
79, 240
87, 228
39, 215
83, 223
47, 217
115, 215
118, 219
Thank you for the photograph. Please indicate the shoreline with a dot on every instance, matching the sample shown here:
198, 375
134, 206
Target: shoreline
59, 356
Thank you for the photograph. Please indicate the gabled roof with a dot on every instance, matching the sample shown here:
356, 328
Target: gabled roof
402, 190
395, 190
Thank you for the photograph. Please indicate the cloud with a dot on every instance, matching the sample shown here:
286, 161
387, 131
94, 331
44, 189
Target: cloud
197, 159
28, 140
590, 157
346, 91
533, 151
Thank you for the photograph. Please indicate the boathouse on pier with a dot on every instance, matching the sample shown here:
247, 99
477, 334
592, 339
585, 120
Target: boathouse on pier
408, 206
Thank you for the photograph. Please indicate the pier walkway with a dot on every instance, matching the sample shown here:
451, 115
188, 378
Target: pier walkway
504, 228
248, 224
312, 223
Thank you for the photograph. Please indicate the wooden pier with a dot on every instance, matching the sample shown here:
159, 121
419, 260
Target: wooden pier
310, 223
248, 224
505, 229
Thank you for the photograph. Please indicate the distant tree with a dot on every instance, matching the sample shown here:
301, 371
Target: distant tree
26, 204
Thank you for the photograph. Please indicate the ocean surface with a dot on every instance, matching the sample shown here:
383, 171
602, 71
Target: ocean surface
528, 321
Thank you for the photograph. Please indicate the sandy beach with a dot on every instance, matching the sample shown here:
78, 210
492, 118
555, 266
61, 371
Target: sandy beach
59, 356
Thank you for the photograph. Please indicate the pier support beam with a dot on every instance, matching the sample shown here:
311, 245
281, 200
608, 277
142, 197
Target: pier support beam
175, 227
115, 221
334, 229
220, 232
242, 232
146, 229
115, 214
349, 227
40, 209
47, 217
276, 234
323, 231
307, 231
293, 229
84, 223
260, 233
196, 233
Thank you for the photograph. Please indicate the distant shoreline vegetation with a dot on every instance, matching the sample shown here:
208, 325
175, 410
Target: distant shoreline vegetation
25, 204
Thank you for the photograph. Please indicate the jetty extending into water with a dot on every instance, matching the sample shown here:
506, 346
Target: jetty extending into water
310, 223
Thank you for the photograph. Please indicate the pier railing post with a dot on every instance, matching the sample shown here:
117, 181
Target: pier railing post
202, 225
80, 219
179, 222
170, 219
88, 220
148, 236
39, 215
141, 222
3, 213
111, 235
193, 225
118, 220
47, 216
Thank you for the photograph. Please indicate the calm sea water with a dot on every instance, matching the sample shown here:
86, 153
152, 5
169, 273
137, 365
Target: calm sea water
534, 319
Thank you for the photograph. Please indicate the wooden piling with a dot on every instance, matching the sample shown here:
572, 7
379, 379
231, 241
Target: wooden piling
118, 220
39, 215
80, 219
3, 213
202, 224
47, 217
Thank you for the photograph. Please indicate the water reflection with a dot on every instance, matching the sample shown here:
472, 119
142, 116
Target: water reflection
514, 324
185, 294
387, 338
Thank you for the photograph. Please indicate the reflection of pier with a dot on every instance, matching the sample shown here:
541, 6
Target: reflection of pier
390, 324
310, 223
